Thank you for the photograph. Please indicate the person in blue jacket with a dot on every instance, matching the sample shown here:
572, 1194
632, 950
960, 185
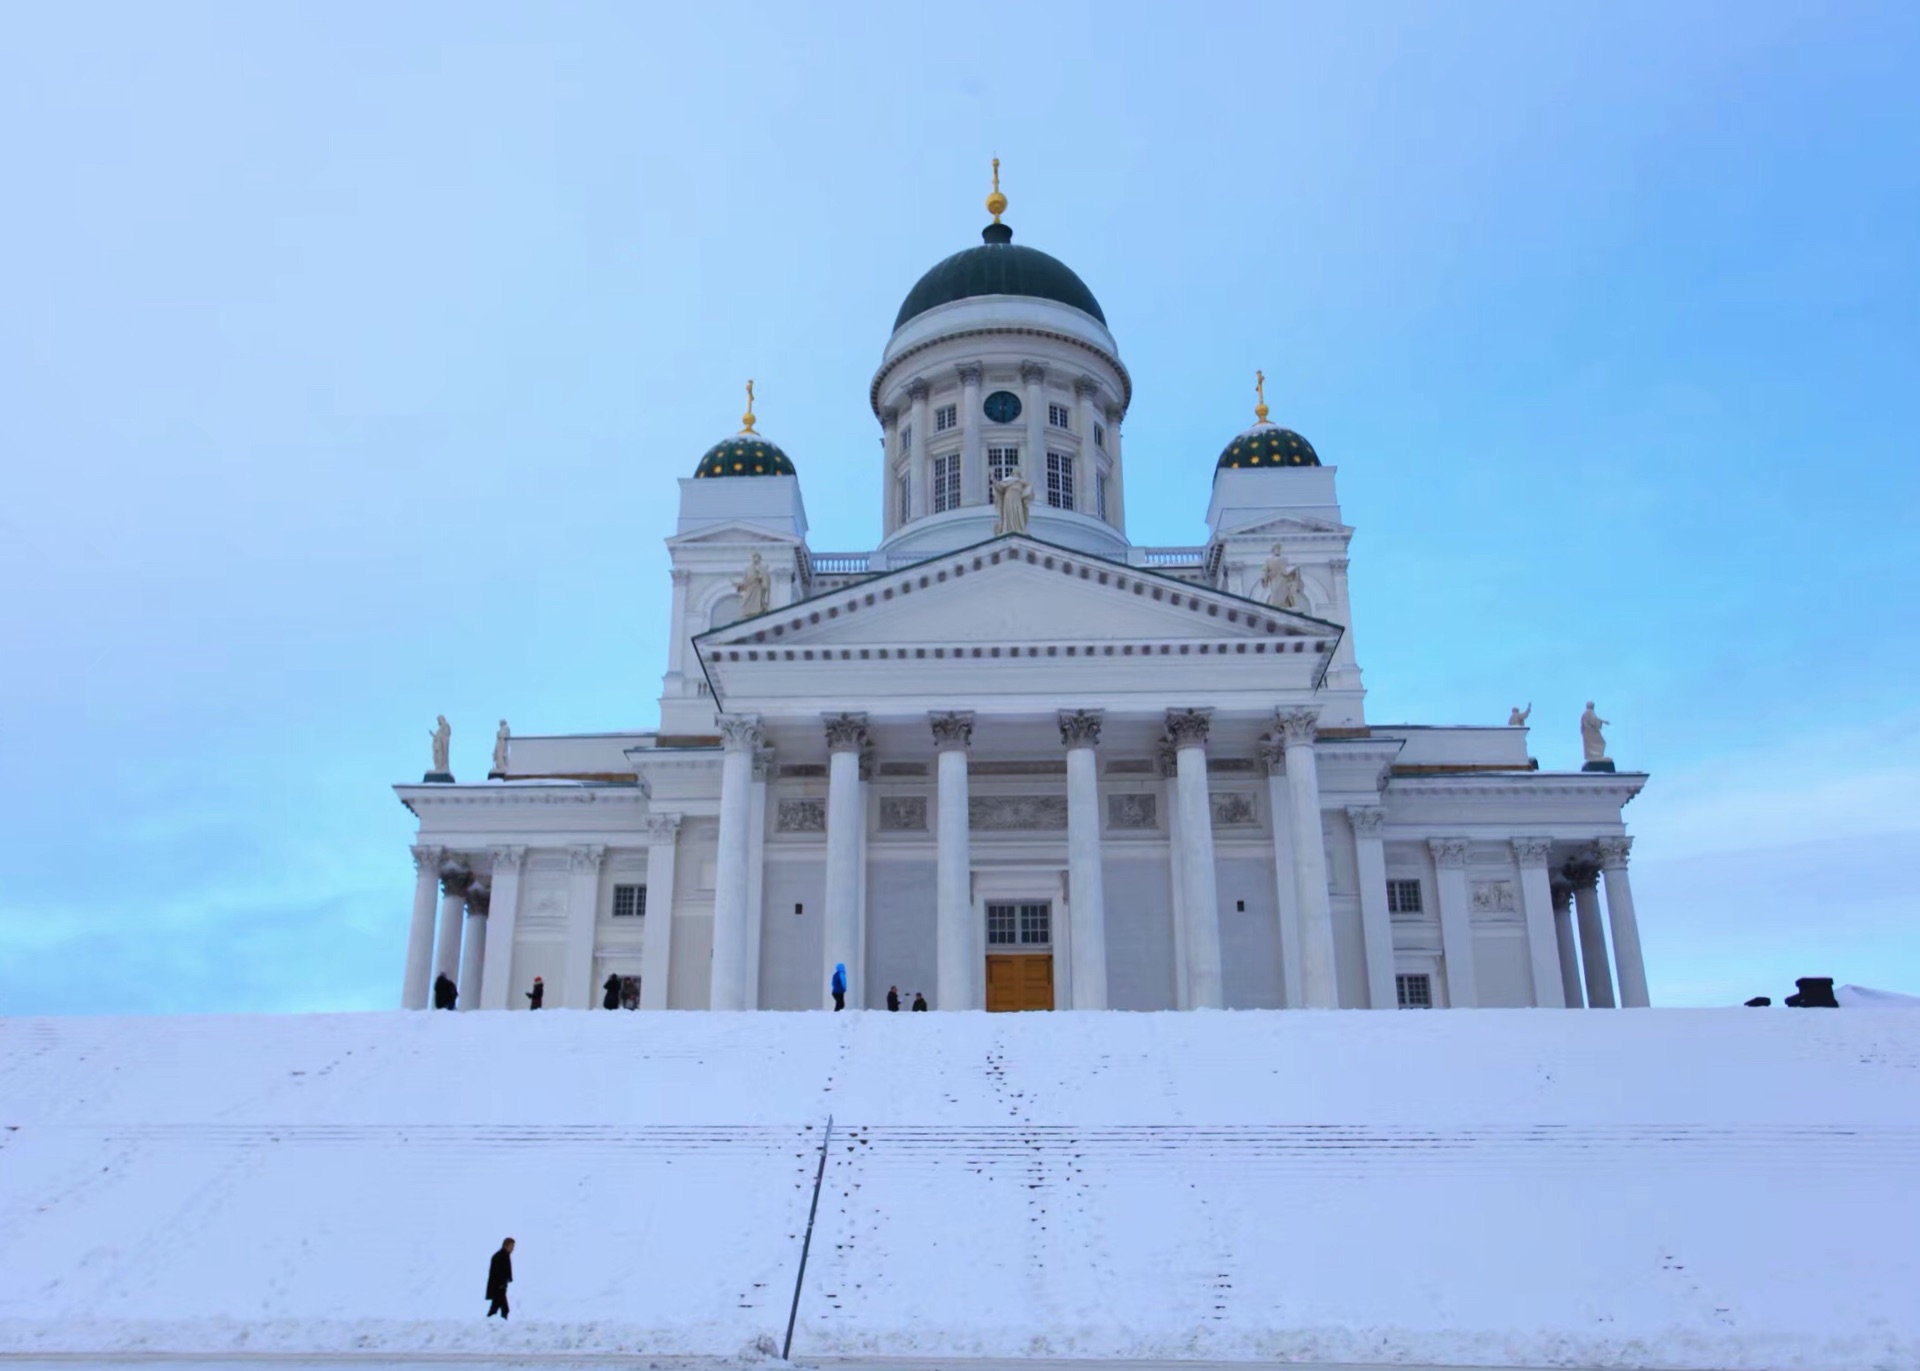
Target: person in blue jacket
839, 986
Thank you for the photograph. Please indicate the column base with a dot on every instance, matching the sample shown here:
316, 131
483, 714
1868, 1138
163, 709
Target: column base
437, 778
1604, 764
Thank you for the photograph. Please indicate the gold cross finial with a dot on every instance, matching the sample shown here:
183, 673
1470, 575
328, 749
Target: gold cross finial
1260, 389
746, 420
996, 202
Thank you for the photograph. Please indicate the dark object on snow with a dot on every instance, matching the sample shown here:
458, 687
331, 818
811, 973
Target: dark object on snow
445, 992
893, 999
1759, 1002
611, 1000
919, 1002
537, 994
1816, 992
499, 1277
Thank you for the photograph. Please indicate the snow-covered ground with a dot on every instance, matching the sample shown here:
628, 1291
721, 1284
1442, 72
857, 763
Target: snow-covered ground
1679, 1188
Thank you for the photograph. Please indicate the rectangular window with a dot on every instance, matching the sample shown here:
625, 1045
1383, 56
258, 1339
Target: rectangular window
946, 482
906, 497
906, 440
1100, 495
1403, 897
1057, 415
1002, 462
1416, 990
1003, 925
1035, 929
1100, 436
629, 901
1060, 480
946, 417
1019, 925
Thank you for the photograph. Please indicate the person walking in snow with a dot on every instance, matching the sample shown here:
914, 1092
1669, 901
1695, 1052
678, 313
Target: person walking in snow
893, 999
839, 986
499, 1277
445, 992
537, 994
611, 1000
919, 1003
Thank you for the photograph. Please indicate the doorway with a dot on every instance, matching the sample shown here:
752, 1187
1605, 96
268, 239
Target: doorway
1019, 956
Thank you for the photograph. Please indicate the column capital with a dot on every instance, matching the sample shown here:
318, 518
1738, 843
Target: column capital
739, 732
662, 828
478, 898
427, 857
1031, 372
1080, 727
1448, 851
1115, 414
1612, 852
969, 373
890, 415
1298, 726
1084, 386
1581, 875
952, 732
1273, 754
681, 576
586, 856
1339, 565
918, 389
1368, 821
507, 858
1189, 727
845, 732
1166, 761
763, 764
455, 879
1532, 852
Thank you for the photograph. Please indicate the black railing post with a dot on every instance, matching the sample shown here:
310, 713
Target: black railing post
786, 1352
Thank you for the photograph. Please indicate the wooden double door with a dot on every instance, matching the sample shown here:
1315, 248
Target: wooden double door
1019, 980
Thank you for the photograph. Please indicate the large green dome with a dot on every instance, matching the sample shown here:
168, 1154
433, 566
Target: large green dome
998, 267
1268, 445
744, 454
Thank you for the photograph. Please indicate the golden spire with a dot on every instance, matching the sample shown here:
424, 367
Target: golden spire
746, 420
1260, 389
996, 202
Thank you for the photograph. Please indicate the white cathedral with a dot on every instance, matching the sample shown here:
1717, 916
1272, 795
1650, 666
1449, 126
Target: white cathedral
1010, 759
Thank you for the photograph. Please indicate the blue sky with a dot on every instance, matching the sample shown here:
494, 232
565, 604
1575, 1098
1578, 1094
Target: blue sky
348, 357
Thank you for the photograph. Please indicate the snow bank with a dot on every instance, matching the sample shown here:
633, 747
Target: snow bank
1682, 1188
1860, 997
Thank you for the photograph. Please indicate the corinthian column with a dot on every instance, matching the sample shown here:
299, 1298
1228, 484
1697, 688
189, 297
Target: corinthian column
1563, 938
1376, 925
454, 882
1167, 765
1627, 960
740, 737
1188, 729
1286, 894
1033, 379
583, 913
846, 817
1583, 876
418, 981
473, 947
1320, 980
656, 952
1080, 734
954, 971
503, 913
1456, 921
973, 460
1536, 904
918, 480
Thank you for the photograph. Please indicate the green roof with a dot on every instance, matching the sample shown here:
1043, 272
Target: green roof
744, 454
1268, 445
998, 267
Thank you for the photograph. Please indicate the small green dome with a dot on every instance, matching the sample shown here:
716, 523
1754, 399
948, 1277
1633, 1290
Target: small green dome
1268, 445
998, 267
744, 454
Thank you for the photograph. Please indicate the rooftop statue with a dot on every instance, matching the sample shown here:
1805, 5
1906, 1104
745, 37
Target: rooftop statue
1012, 497
1280, 582
1517, 717
1591, 740
755, 588
442, 739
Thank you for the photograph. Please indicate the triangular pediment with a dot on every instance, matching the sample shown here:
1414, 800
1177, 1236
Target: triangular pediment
1292, 526
732, 534
1017, 591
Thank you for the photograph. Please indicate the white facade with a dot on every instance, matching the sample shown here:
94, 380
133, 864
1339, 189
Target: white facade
1050, 767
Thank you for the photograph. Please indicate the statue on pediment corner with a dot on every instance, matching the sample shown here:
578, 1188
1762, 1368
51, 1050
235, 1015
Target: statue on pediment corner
1012, 498
1517, 717
1280, 582
755, 587
442, 736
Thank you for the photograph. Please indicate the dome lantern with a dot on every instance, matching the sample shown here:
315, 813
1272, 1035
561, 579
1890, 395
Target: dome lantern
1266, 444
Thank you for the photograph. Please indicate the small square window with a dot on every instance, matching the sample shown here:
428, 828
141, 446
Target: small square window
946, 417
1415, 990
1059, 416
1403, 897
629, 901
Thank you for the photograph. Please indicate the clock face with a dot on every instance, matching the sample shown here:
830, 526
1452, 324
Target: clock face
1003, 407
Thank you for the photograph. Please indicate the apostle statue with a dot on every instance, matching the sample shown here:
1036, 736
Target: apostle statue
1012, 498
1517, 717
1280, 582
1591, 742
756, 589
500, 741
442, 743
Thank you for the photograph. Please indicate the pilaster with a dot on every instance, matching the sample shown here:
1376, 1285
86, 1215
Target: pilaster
656, 951
1376, 925
583, 909
501, 918
1456, 921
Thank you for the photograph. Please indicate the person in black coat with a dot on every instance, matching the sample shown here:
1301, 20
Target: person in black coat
499, 1277
611, 1000
537, 994
919, 1002
445, 992
893, 998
